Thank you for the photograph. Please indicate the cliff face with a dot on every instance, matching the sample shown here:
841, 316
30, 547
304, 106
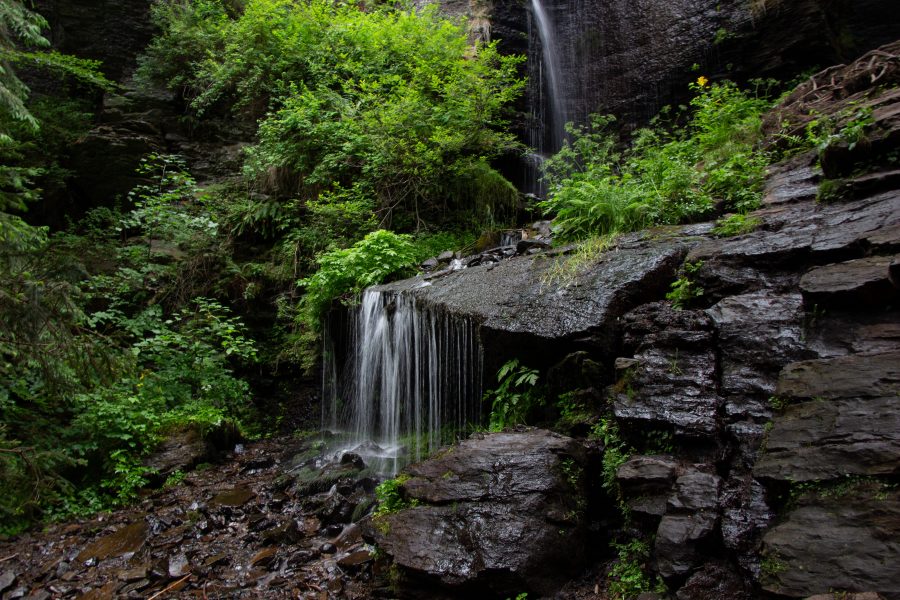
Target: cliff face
110, 31
630, 57
764, 422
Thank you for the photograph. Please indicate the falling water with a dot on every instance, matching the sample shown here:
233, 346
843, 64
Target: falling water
411, 381
551, 68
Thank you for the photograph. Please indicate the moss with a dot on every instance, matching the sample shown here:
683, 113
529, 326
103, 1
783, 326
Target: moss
831, 190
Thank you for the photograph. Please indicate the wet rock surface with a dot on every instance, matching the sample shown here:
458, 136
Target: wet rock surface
848, 541
533, 299
829, 439
673, 382
500, 513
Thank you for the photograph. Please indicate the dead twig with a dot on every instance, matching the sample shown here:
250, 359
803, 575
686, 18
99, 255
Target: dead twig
170, 587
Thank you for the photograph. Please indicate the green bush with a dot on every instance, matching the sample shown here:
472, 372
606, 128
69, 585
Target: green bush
100, 354
515, 396
343, 274
736, 224
389, 495
685, 290
668, 175
389, 106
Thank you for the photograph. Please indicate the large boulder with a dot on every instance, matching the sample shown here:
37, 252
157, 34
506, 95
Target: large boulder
828, 439
844, 540
544, 305
672, 384
497, 515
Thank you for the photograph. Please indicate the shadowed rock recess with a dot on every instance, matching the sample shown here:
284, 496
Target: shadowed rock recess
762, 422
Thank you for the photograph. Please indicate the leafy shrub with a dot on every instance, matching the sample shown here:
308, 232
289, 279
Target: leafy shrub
343, 274
668, 175
684, 289
389, 495
99, 356
628, 578
515, 395
388, 105
736, 224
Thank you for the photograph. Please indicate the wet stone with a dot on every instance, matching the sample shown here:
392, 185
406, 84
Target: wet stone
842, 542
178, 565
853, 283
506, 517
127, 539
7, 579
234, 497
327, 548
828, 439
355, 559
677, 540
695, 490
860, 376
714, 581
133, 574
751, 363
106, 592
263, 557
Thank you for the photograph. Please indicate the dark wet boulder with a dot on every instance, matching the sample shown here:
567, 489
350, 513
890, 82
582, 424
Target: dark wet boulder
828, 439
794, 233
646, 482
533, 301
678, 542
844, 540
527, 245
715, 581
497, 515
183, 448
853, 376
430, 264
673, 383
860, 282
751, 363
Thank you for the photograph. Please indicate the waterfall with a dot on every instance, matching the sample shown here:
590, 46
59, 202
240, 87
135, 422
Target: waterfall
550, 53
411, 380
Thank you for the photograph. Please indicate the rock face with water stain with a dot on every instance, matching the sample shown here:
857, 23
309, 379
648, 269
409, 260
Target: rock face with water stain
499, 513
762, 420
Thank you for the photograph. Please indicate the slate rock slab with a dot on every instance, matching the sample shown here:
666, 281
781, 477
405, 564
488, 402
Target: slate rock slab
863, 281
751, 363
499, 514
852, 376
844, 542
833, 438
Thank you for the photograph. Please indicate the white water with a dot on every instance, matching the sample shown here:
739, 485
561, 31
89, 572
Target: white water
551, 67
413, 379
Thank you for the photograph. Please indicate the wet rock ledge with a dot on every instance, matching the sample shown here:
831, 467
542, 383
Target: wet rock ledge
494, 515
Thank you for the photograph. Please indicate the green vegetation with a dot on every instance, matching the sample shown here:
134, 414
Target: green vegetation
388, 108
736, 224
615, 452
628, 578
389, 495
824, 133
684, 290
515, 395
376, 132
107, 344
565, 269
668, 174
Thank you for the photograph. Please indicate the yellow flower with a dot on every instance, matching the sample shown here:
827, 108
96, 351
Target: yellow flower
702, 81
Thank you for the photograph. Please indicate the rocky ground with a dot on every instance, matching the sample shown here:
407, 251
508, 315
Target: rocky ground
264, 523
